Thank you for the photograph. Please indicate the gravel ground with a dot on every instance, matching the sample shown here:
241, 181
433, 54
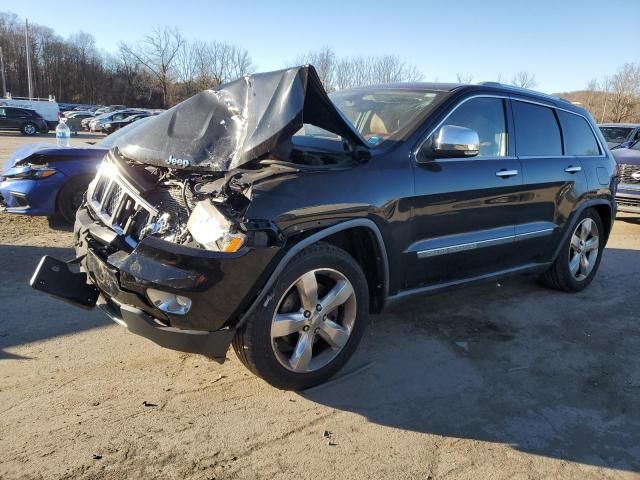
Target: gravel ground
500, 381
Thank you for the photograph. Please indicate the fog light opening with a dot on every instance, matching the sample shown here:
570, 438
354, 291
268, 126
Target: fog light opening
169, 302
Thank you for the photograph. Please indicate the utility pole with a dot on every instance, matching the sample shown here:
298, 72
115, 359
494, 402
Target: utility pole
26, 39
4, 81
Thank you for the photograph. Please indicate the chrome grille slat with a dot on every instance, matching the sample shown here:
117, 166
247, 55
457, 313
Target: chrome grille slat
626, 174
111, 197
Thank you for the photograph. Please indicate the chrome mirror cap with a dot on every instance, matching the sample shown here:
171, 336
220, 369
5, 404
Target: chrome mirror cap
454, 141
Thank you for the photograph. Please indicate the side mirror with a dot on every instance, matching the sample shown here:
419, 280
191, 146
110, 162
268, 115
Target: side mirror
454, 141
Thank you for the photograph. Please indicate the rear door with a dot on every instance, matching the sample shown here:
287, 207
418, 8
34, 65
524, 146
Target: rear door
464, 209
553, 179
15, 117
4, 121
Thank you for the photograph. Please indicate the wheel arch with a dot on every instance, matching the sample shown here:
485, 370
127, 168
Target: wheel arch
601, 205
350, 233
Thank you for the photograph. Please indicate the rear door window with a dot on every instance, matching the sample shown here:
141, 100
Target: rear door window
537, 130
579, 139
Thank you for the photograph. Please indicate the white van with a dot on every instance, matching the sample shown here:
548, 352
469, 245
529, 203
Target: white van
48, 108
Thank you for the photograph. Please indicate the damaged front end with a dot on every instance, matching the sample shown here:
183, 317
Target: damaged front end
164, 243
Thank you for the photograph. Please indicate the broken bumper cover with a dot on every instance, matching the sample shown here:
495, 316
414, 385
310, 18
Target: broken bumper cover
221, 286
211, 344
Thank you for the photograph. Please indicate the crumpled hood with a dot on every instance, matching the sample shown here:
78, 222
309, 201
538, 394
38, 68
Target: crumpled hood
243, 120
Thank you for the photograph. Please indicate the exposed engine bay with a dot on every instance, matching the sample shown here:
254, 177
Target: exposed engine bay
196, 210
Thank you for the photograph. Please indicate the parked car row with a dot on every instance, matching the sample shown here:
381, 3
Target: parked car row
33, 116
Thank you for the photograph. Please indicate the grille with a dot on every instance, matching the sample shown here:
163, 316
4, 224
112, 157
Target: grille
628, 202
118, 205
626, 174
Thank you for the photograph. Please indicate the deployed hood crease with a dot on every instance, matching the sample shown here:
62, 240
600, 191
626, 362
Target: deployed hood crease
218, 131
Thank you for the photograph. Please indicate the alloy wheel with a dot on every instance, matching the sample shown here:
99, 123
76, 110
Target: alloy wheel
29, 129
313, 321
583, 252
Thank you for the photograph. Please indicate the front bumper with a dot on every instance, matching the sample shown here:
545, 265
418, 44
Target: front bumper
221, 286
29, 196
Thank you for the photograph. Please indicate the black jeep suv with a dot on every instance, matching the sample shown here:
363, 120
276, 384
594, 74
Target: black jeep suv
269, 215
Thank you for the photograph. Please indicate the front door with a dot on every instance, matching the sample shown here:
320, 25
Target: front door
464, 209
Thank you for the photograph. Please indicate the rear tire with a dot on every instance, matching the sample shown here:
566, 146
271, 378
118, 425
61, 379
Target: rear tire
29, 129
70, 198
321, 339
579, 258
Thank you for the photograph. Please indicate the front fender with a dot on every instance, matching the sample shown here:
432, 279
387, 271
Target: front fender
314, 238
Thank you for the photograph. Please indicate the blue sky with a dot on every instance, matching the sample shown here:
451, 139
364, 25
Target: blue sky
565, 43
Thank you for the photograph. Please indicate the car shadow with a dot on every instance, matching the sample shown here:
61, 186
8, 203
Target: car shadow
29, 316
56, 222
545, 372
629, 218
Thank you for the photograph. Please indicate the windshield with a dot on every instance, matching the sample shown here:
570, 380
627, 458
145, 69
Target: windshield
383, 113
615, 134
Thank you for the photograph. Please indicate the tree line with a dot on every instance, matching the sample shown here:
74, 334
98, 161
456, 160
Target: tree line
614, 98
164, 67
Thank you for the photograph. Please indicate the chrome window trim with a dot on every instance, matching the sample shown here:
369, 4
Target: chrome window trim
515, 98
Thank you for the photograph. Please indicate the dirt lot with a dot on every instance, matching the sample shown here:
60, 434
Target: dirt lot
500, 381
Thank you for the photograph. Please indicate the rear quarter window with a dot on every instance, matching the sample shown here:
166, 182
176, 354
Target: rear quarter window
579, 139
537, 130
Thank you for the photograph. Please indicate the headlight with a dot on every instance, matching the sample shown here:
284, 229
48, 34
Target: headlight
34, 172
212, 230
107, 125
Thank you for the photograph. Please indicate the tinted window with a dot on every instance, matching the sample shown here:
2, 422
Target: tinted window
537, 130
578, 136
15, 112
485, 116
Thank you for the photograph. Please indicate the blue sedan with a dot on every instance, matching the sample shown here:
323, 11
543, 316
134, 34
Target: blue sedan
43, 179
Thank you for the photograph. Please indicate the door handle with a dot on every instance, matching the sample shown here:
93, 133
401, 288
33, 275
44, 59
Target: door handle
504, 173
572, 169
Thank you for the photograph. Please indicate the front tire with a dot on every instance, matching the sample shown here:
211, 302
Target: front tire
29, 129
579, 258
313, 323
70, 198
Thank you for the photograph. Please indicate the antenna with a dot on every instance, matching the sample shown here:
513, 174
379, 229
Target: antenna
26, 39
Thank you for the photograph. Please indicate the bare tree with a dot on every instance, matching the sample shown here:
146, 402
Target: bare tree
158, 52
464, 77
339, 73
623, 92
325, 61
524, 79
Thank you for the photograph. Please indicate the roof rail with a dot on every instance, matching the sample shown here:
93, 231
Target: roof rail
523, 90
